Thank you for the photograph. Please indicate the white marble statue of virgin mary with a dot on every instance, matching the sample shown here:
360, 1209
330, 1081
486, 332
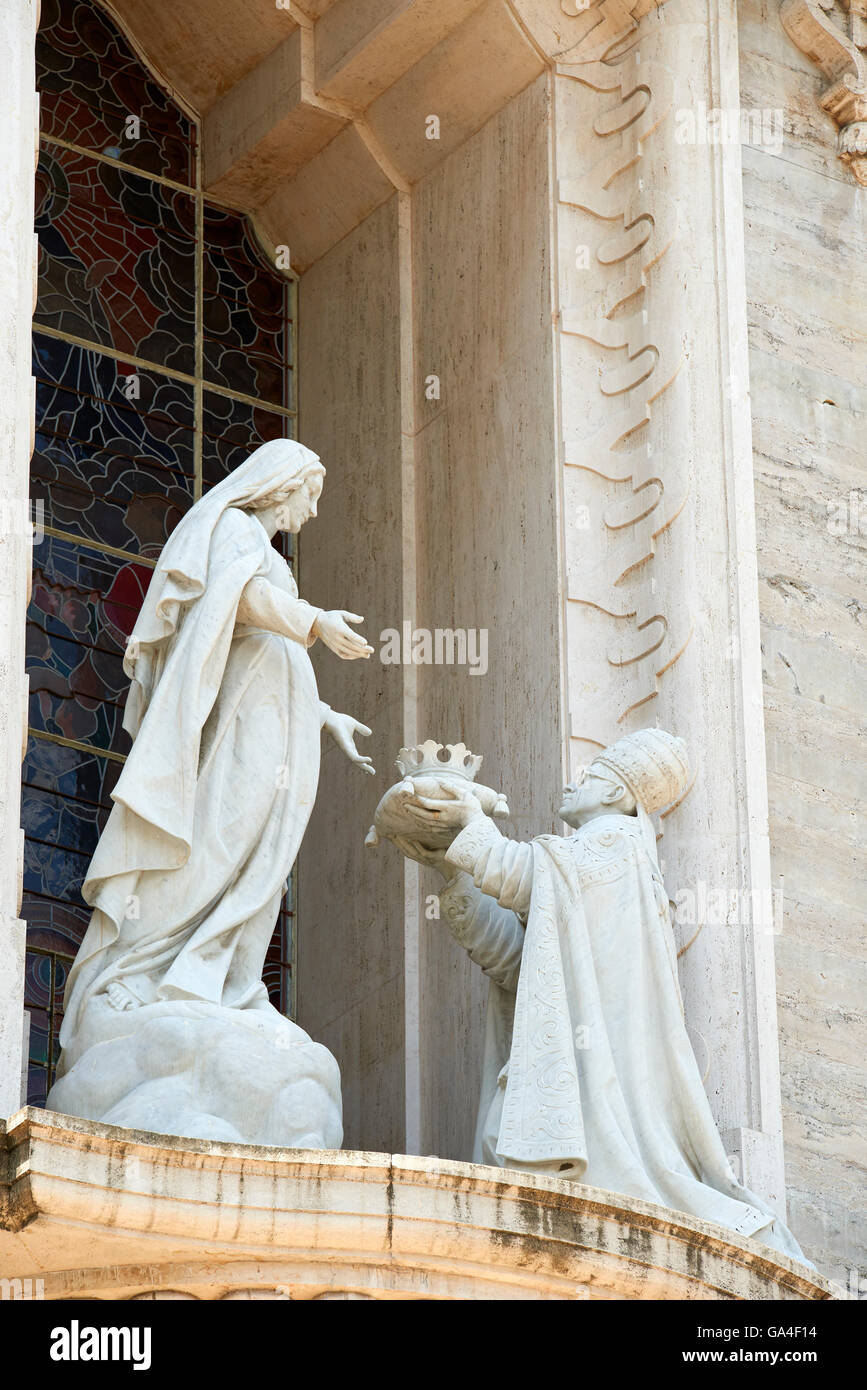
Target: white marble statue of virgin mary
168, 1025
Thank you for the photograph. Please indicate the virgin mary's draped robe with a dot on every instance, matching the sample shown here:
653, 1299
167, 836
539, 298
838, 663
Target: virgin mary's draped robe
588, 1070
187, 878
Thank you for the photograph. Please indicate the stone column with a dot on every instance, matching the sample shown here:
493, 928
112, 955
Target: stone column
19, 144
657, 493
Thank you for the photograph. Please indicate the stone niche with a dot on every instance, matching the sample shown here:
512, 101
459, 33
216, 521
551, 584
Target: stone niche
91, 1211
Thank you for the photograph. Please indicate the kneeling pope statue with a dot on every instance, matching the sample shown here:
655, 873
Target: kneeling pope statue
588, 1073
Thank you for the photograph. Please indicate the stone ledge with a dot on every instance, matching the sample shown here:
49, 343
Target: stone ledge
96, 1211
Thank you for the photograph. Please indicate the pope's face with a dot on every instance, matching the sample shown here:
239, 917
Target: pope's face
291, 514
583, 798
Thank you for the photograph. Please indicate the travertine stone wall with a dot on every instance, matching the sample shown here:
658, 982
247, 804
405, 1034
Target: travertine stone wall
18, 251
662, 612
806, 242
487, 516
351, 905
452, 499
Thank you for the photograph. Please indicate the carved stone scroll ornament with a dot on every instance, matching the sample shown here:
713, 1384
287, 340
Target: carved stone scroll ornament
581, 31
837, 45
647, 489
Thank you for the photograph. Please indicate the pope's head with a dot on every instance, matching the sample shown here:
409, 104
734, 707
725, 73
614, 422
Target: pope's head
648, 768
594, 792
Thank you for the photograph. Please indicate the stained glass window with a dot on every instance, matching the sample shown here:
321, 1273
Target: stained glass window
163, 353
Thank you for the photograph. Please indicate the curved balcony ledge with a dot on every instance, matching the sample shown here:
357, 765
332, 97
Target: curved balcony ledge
95, 1211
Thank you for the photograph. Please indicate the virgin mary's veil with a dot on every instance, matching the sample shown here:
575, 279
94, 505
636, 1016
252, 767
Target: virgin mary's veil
181, 574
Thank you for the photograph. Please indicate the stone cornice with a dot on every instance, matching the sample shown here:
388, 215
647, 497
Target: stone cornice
314, 114
117, 1214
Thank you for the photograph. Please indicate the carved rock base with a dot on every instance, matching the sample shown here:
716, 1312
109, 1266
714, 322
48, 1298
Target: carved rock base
201, 1071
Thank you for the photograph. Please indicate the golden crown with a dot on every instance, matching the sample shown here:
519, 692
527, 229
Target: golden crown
427, 757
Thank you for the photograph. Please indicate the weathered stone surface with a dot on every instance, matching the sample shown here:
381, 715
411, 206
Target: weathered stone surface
806, 239
118, 1214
